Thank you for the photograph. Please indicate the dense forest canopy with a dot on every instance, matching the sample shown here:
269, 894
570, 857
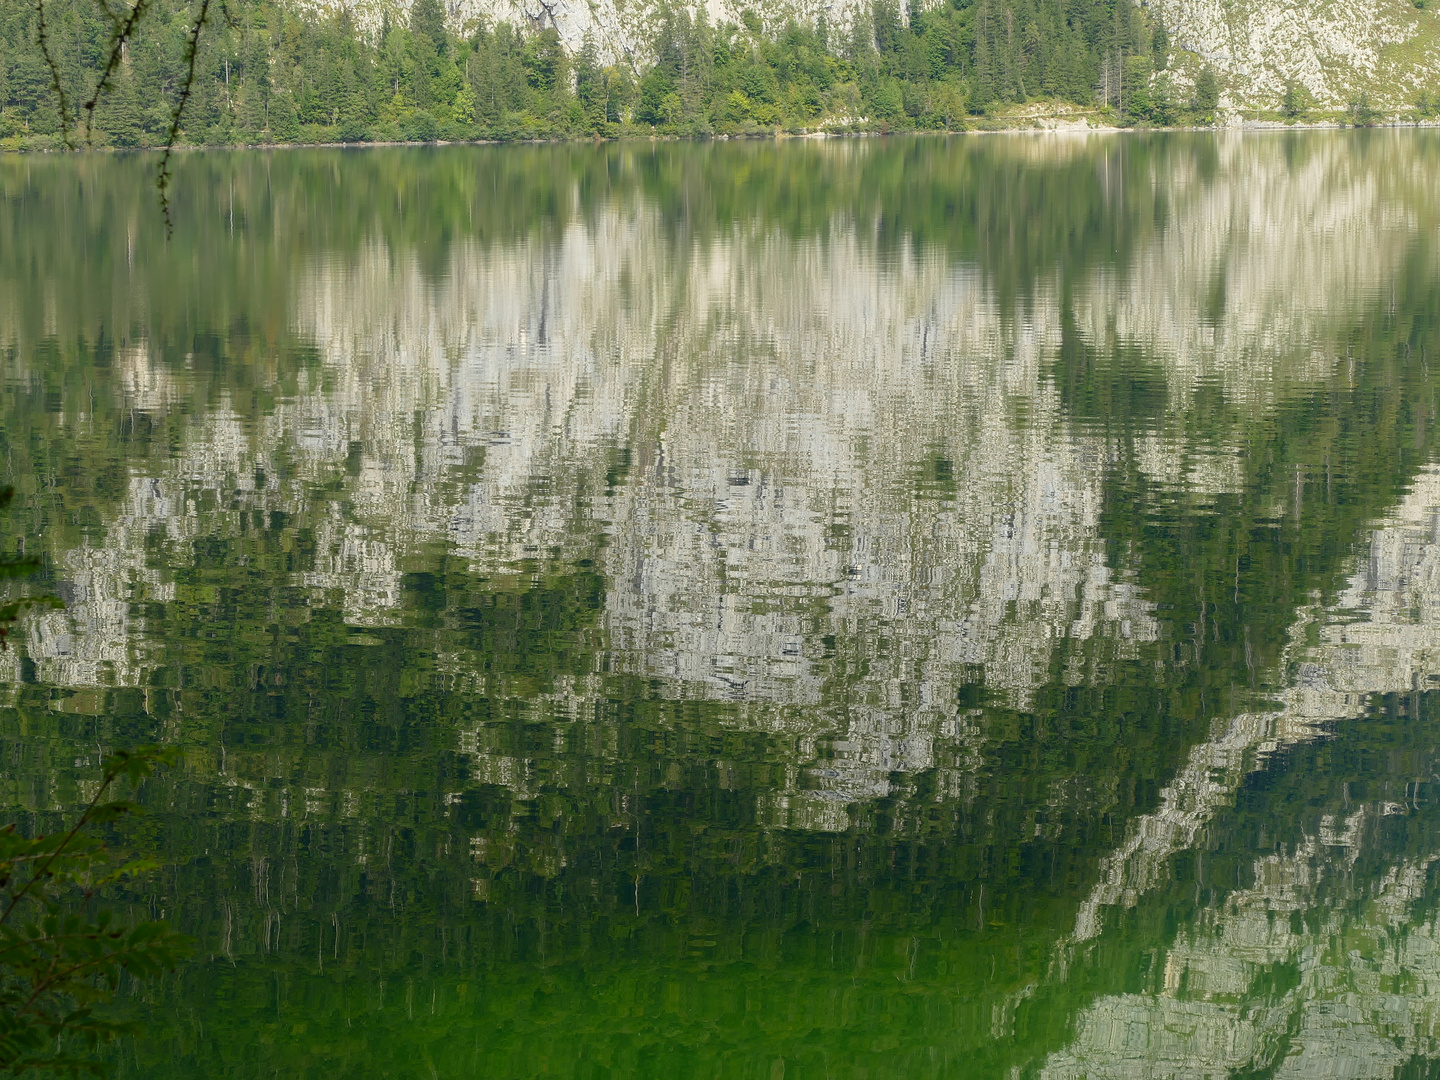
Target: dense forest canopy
270, 73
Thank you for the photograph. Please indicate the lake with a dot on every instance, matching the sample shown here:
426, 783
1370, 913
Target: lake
873, 608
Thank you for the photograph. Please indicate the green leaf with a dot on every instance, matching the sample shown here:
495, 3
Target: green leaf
62, 959
135, 765
104, 813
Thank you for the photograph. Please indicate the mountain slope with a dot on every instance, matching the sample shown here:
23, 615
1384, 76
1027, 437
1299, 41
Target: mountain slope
1337, 49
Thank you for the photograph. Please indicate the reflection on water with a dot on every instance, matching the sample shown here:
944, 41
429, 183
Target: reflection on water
871, 608
1326, 964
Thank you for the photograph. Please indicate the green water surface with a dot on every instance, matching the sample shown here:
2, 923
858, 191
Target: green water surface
856, 608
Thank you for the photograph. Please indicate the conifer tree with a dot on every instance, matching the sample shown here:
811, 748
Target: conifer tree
120, 117
590, 86
1207, 93
284, 74
427, 17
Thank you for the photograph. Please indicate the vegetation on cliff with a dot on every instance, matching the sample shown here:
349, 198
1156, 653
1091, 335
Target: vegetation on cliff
270, 73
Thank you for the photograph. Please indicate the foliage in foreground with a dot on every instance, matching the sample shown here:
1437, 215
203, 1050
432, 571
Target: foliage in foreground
60, 957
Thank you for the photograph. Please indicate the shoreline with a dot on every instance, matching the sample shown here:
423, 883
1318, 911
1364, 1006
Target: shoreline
1039, 124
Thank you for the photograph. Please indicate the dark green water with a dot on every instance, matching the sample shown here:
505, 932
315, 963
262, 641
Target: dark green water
853, 609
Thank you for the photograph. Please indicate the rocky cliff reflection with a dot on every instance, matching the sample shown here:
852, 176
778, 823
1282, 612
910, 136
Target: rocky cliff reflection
973, 514
1326, 964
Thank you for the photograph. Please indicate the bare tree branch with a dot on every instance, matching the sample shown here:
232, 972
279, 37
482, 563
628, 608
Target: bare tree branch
192, 47
124, 29
121, 38
43, 36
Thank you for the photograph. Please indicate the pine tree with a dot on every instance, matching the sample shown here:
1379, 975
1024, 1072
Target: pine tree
590, 87
118, 115
284, 74
284, 118
421, 70
1207, 93
1160, 47
1296, 101
427, 17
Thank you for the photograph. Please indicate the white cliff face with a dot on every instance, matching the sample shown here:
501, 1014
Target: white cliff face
623, 31
825, 442
1336, 48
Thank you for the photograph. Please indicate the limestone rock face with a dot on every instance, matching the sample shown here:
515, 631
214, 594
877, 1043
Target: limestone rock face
1337, 49
624, 31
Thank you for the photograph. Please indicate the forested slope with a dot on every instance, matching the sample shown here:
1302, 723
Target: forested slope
278, 73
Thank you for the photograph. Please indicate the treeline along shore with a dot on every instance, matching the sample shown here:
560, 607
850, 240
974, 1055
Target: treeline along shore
268, 73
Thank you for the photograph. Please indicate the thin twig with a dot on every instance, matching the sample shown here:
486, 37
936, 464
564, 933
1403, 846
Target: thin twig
163, 177
43, 36
44, 867
56, 975
123, 31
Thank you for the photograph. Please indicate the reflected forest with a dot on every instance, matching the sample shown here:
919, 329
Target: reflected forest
846, 608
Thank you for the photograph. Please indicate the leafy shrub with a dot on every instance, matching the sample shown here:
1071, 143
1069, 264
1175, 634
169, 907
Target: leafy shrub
1361, 112
57, 962
1207, 94
1297, 101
